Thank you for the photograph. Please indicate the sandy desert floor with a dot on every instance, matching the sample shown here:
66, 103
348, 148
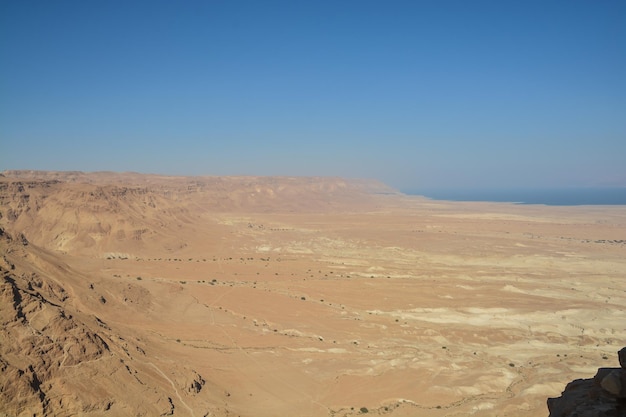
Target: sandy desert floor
412, 307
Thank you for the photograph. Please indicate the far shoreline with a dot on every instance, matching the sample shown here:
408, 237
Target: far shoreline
600, 196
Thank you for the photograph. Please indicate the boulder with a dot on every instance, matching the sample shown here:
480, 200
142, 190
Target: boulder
604, 395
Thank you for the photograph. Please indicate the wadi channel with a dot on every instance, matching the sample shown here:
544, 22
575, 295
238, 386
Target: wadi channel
132, 294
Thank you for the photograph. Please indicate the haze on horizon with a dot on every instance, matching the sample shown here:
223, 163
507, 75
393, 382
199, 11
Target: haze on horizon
415, 94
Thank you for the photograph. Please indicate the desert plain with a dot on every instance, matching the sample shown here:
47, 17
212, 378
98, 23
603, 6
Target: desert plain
129, 294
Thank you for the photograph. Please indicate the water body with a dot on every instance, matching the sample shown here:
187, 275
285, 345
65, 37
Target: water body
550, 197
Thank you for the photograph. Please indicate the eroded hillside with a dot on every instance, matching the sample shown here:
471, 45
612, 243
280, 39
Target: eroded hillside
125, 294
59, 358
103, 213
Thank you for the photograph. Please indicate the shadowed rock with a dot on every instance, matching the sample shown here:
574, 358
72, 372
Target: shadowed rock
604, 395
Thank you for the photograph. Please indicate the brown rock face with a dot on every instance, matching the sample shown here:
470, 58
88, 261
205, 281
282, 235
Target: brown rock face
622, 358
142, 295
56, 360
57, 355
602, 396
41, 337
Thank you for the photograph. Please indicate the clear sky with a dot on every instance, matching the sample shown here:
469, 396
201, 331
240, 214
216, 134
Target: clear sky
418, 94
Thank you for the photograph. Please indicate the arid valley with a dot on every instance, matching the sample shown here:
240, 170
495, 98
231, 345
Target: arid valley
129, 294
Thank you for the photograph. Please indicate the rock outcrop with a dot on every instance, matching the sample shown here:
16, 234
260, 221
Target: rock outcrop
56, 360
97, 213
604, 395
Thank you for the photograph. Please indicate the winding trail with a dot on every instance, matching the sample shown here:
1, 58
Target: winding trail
173, 386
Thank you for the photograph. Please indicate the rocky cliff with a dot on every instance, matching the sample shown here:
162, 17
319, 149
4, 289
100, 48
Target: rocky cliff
604, 395
57, 359
60, 355
96, 213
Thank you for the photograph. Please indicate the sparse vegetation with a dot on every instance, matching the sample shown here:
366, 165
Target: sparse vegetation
232, 323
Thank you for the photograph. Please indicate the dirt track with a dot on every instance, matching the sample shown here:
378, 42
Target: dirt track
393, 304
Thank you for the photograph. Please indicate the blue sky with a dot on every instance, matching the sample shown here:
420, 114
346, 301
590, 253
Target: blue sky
418, 94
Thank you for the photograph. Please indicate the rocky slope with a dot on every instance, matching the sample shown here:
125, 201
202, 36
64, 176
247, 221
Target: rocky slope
128, 294
57, 355
97, 213
56, 358
604, 395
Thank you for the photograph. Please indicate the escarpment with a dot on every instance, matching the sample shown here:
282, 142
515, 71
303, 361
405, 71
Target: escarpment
604, 395
58, 360
143, 295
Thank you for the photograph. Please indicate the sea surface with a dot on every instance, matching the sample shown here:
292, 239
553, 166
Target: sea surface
550, 197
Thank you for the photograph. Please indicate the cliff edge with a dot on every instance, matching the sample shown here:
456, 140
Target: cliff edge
604, 395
